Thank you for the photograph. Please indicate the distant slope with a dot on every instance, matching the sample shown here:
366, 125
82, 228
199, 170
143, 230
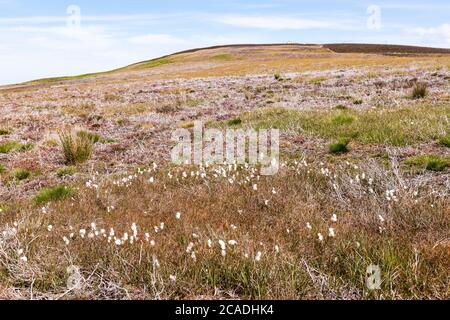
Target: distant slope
383, 49
243, 59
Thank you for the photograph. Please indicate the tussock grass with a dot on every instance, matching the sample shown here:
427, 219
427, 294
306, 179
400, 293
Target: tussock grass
340, 146
66, 171
53, 194
4, 131
430, 162
21, 174
408, 125
77, 148
445, 141
11, 146
2, 168
419, 91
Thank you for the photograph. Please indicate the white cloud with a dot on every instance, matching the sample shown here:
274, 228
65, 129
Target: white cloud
439, 34
274, 22
165, 39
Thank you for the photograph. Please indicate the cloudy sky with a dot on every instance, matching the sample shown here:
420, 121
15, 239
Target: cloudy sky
55, 37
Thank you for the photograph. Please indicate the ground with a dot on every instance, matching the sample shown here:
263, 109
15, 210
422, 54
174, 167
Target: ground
364, 178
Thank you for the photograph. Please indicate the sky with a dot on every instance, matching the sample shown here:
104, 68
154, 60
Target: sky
50, 38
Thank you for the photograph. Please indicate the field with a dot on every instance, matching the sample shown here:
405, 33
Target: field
91, 206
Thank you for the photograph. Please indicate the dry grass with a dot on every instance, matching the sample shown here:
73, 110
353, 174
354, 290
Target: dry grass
382, 218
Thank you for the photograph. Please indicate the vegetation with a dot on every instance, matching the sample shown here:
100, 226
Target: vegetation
77, 148
430, 162
21, 174
408, 125
340, 146
66, 171
420, 91
53, 194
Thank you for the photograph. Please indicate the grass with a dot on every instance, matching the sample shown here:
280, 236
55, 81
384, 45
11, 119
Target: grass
419, 91
77, 148
407, 246
21, 174
53, 194
340, 146
2, 168
4, 131
92, 136
406, 125
154, 63
11, 146
445, 141
430, 162
66, 171
235, 122
223, 57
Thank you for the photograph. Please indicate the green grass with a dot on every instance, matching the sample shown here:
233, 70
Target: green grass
342, 119
430, 162
77, 148
53, 194
223, 57
407, 125
2, 168
341, 107
445, 141
66, 171
94, 137
340, 146
153, 63
11, 146
235, 122
21, 174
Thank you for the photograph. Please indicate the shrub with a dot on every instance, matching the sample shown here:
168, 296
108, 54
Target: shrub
66, 171
53, 194
21, 174
340, 146
235, 122
77, 148
342, 119
430, 162
420, 91
445, 141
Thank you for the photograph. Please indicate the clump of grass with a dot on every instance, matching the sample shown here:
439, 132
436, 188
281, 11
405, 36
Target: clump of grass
4, 131
94, 137
340, 147
77, 148
235, 122
357, 102
53, 194
2, 168
10, 146
342, 119
430, 162
278, 77
445, 141
66, 171
21, 174
420, 91
341, 107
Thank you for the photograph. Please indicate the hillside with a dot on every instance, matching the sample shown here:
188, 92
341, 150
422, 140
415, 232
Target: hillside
88, 188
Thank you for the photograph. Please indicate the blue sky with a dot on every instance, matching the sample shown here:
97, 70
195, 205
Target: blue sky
53, 38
